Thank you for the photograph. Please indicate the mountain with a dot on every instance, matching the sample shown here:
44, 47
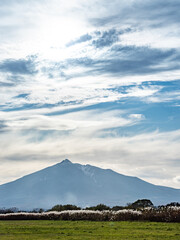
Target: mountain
82, 185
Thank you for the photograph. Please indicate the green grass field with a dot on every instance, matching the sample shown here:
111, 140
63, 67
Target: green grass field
21, 230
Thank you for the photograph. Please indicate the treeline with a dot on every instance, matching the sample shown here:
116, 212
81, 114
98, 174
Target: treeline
141, 210
139, 204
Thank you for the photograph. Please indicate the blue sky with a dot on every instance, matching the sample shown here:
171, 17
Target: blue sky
96, 82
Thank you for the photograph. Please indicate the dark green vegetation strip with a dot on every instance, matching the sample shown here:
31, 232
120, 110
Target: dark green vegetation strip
21, 230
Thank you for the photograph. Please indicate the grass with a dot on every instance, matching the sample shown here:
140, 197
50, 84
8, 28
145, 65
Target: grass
85, 230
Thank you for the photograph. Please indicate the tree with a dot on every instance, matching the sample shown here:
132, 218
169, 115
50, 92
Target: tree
60, 208
173, 204
117, 208
99, 207
141, 203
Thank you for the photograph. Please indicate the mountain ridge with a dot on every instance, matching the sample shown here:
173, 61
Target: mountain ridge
83, 185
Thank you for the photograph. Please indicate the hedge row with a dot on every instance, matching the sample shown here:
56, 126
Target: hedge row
171, 214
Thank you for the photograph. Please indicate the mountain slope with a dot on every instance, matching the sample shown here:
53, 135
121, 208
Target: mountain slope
83, 185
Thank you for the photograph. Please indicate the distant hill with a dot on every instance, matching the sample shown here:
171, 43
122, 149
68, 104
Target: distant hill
82, 185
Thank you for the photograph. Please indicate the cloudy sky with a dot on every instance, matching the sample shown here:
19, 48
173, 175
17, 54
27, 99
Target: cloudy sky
96, 82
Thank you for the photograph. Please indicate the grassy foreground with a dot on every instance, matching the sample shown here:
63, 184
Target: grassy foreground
21, 230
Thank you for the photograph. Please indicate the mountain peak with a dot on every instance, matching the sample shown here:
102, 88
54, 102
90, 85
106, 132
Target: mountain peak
66, 161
